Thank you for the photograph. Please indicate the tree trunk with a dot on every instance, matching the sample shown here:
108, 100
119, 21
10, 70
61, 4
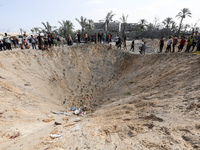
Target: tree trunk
106, 28
180, 27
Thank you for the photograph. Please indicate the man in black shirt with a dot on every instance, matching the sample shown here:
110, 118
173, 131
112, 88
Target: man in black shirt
132, 45
161, 44
79, 37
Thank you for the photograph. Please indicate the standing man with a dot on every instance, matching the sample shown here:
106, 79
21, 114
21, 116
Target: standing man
109, 37
62, 41
182, 43
190, 43
33, 42
58, 39
196, 38
175, 41
143, 48
198, 43
132, 45
161, 44
169, 44
95, 38
2, 45
100, 37
86, 37
7, 42
79, 37
39, 38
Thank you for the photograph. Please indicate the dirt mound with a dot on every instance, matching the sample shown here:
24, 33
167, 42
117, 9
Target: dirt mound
145, 102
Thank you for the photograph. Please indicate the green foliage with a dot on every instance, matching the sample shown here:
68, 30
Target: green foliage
124, 21
127, 93
66, 28
182, 14
108, 19
47, 28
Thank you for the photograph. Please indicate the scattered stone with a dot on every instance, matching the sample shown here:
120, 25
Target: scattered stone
154, 118
56, 123
1, 112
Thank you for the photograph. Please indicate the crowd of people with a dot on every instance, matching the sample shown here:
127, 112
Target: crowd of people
48, 40
190, 44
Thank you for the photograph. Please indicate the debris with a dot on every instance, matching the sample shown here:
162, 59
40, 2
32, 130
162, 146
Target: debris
56, 123
76, 128
84, 108
73, 108
46, 148
77, 111
1, 112
67, 125
64, 101
61, 113
53, 136
47, 142
14, 136
197, 53
48, 120
27, 84
77, 120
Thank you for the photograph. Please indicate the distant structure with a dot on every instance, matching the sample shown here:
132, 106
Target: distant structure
130, 26
112, 26
116, 27
99, 27
131, 29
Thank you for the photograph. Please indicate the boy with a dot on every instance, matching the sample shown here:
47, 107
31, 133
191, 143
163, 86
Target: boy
182, 43
169, 44
143, 48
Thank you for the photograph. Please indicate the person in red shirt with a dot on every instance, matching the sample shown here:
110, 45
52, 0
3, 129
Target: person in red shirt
24, 42
21, 46
108, 37
182, 43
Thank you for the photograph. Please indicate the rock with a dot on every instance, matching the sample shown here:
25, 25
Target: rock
1, 112
154, 118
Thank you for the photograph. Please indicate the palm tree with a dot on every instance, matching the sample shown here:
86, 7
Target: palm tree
21, 30
195, 26
32, 30
124, 21
83, 23
90, 24
167, 22
182, 14
66, 27
108, 18
36, 30
186, 26
174, 27
142, 24
47, 27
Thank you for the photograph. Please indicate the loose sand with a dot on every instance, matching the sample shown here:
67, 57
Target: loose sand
134, 102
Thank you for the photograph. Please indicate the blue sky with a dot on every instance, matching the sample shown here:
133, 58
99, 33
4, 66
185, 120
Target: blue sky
27, 14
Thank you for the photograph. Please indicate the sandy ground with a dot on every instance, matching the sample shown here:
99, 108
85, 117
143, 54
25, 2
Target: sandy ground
134, 102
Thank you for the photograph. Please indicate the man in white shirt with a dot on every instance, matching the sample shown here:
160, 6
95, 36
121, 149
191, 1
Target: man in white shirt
169, 44
7, 42
62, 41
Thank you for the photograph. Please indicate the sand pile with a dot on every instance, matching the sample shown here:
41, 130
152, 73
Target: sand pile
138, 102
